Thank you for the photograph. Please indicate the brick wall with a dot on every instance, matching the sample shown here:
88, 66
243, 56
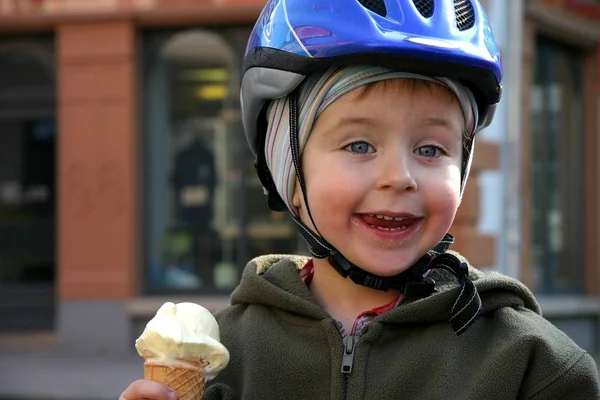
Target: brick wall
97, 161
480, 249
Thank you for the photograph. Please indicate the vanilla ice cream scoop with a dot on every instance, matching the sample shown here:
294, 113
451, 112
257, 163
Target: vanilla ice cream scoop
184, 332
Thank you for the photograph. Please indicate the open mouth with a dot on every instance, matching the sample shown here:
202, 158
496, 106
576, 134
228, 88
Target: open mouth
389, 223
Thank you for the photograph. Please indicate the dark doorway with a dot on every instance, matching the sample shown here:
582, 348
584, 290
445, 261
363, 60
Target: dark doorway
28, 139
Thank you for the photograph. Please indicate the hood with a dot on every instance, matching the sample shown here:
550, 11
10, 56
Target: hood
274, 281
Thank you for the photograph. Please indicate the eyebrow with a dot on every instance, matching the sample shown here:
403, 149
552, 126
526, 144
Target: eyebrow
373, 122
348, 121
352, 120
443, 122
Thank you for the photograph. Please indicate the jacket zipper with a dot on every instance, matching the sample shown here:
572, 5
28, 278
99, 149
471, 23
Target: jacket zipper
348, 360
347, 356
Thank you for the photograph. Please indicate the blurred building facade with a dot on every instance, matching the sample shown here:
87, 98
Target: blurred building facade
125, 179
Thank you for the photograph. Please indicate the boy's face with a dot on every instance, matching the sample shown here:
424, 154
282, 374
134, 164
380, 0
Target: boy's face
383, 172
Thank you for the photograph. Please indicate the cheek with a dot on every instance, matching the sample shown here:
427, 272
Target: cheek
446, 199
332, 192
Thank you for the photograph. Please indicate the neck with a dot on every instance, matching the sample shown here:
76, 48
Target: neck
343, 299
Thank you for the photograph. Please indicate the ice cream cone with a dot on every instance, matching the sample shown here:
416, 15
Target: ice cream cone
181, 349
186, 379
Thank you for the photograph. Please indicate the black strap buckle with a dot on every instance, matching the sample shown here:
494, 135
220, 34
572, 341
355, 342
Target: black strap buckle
419, 289
274, 201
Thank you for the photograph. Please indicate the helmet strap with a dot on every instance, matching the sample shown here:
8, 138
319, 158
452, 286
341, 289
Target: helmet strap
414, 282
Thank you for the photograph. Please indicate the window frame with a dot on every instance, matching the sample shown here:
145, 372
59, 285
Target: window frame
582, 37
241, 235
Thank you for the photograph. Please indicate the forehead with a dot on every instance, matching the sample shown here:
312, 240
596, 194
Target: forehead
399, 100
410, 87
394, 103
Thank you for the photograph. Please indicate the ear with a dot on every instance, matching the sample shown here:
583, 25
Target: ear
297, 198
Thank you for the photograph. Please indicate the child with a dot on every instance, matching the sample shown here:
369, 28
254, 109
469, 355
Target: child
362, 116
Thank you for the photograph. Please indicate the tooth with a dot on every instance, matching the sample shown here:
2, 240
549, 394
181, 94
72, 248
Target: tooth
387, 218
381, 228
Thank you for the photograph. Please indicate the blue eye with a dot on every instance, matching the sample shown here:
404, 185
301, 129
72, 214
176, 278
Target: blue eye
429, 151
360, 147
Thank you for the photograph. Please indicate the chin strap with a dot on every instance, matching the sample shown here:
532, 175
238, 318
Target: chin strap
467, 305
413, 283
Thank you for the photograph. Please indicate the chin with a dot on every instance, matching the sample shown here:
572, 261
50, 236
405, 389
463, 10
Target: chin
385, 269
386, 273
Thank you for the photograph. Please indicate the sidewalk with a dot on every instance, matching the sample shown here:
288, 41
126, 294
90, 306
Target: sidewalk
52, 375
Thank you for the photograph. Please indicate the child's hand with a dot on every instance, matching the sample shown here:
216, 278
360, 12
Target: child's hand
144, 389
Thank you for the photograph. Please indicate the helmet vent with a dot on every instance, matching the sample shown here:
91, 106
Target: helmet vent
376, 6
465, 14
425, 7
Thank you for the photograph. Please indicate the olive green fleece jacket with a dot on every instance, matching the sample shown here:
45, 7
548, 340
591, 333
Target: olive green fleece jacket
284, 346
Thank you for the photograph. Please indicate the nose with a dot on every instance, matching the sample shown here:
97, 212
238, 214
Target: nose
395, 172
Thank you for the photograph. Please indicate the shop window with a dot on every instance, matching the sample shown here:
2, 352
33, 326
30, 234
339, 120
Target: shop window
557, 141
28, 140
205, 214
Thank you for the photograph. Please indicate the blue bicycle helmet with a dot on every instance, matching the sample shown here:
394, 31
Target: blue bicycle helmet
295, 38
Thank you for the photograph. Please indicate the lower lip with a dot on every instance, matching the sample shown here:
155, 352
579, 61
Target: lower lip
397, 235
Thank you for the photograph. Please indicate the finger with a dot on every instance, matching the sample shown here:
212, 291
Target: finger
148, 390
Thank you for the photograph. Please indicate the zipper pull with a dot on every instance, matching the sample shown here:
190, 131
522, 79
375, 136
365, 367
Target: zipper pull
348, 356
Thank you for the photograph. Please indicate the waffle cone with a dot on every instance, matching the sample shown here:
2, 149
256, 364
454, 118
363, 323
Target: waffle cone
187, 380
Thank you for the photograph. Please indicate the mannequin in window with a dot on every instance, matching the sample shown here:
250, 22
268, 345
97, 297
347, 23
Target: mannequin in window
194, 180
